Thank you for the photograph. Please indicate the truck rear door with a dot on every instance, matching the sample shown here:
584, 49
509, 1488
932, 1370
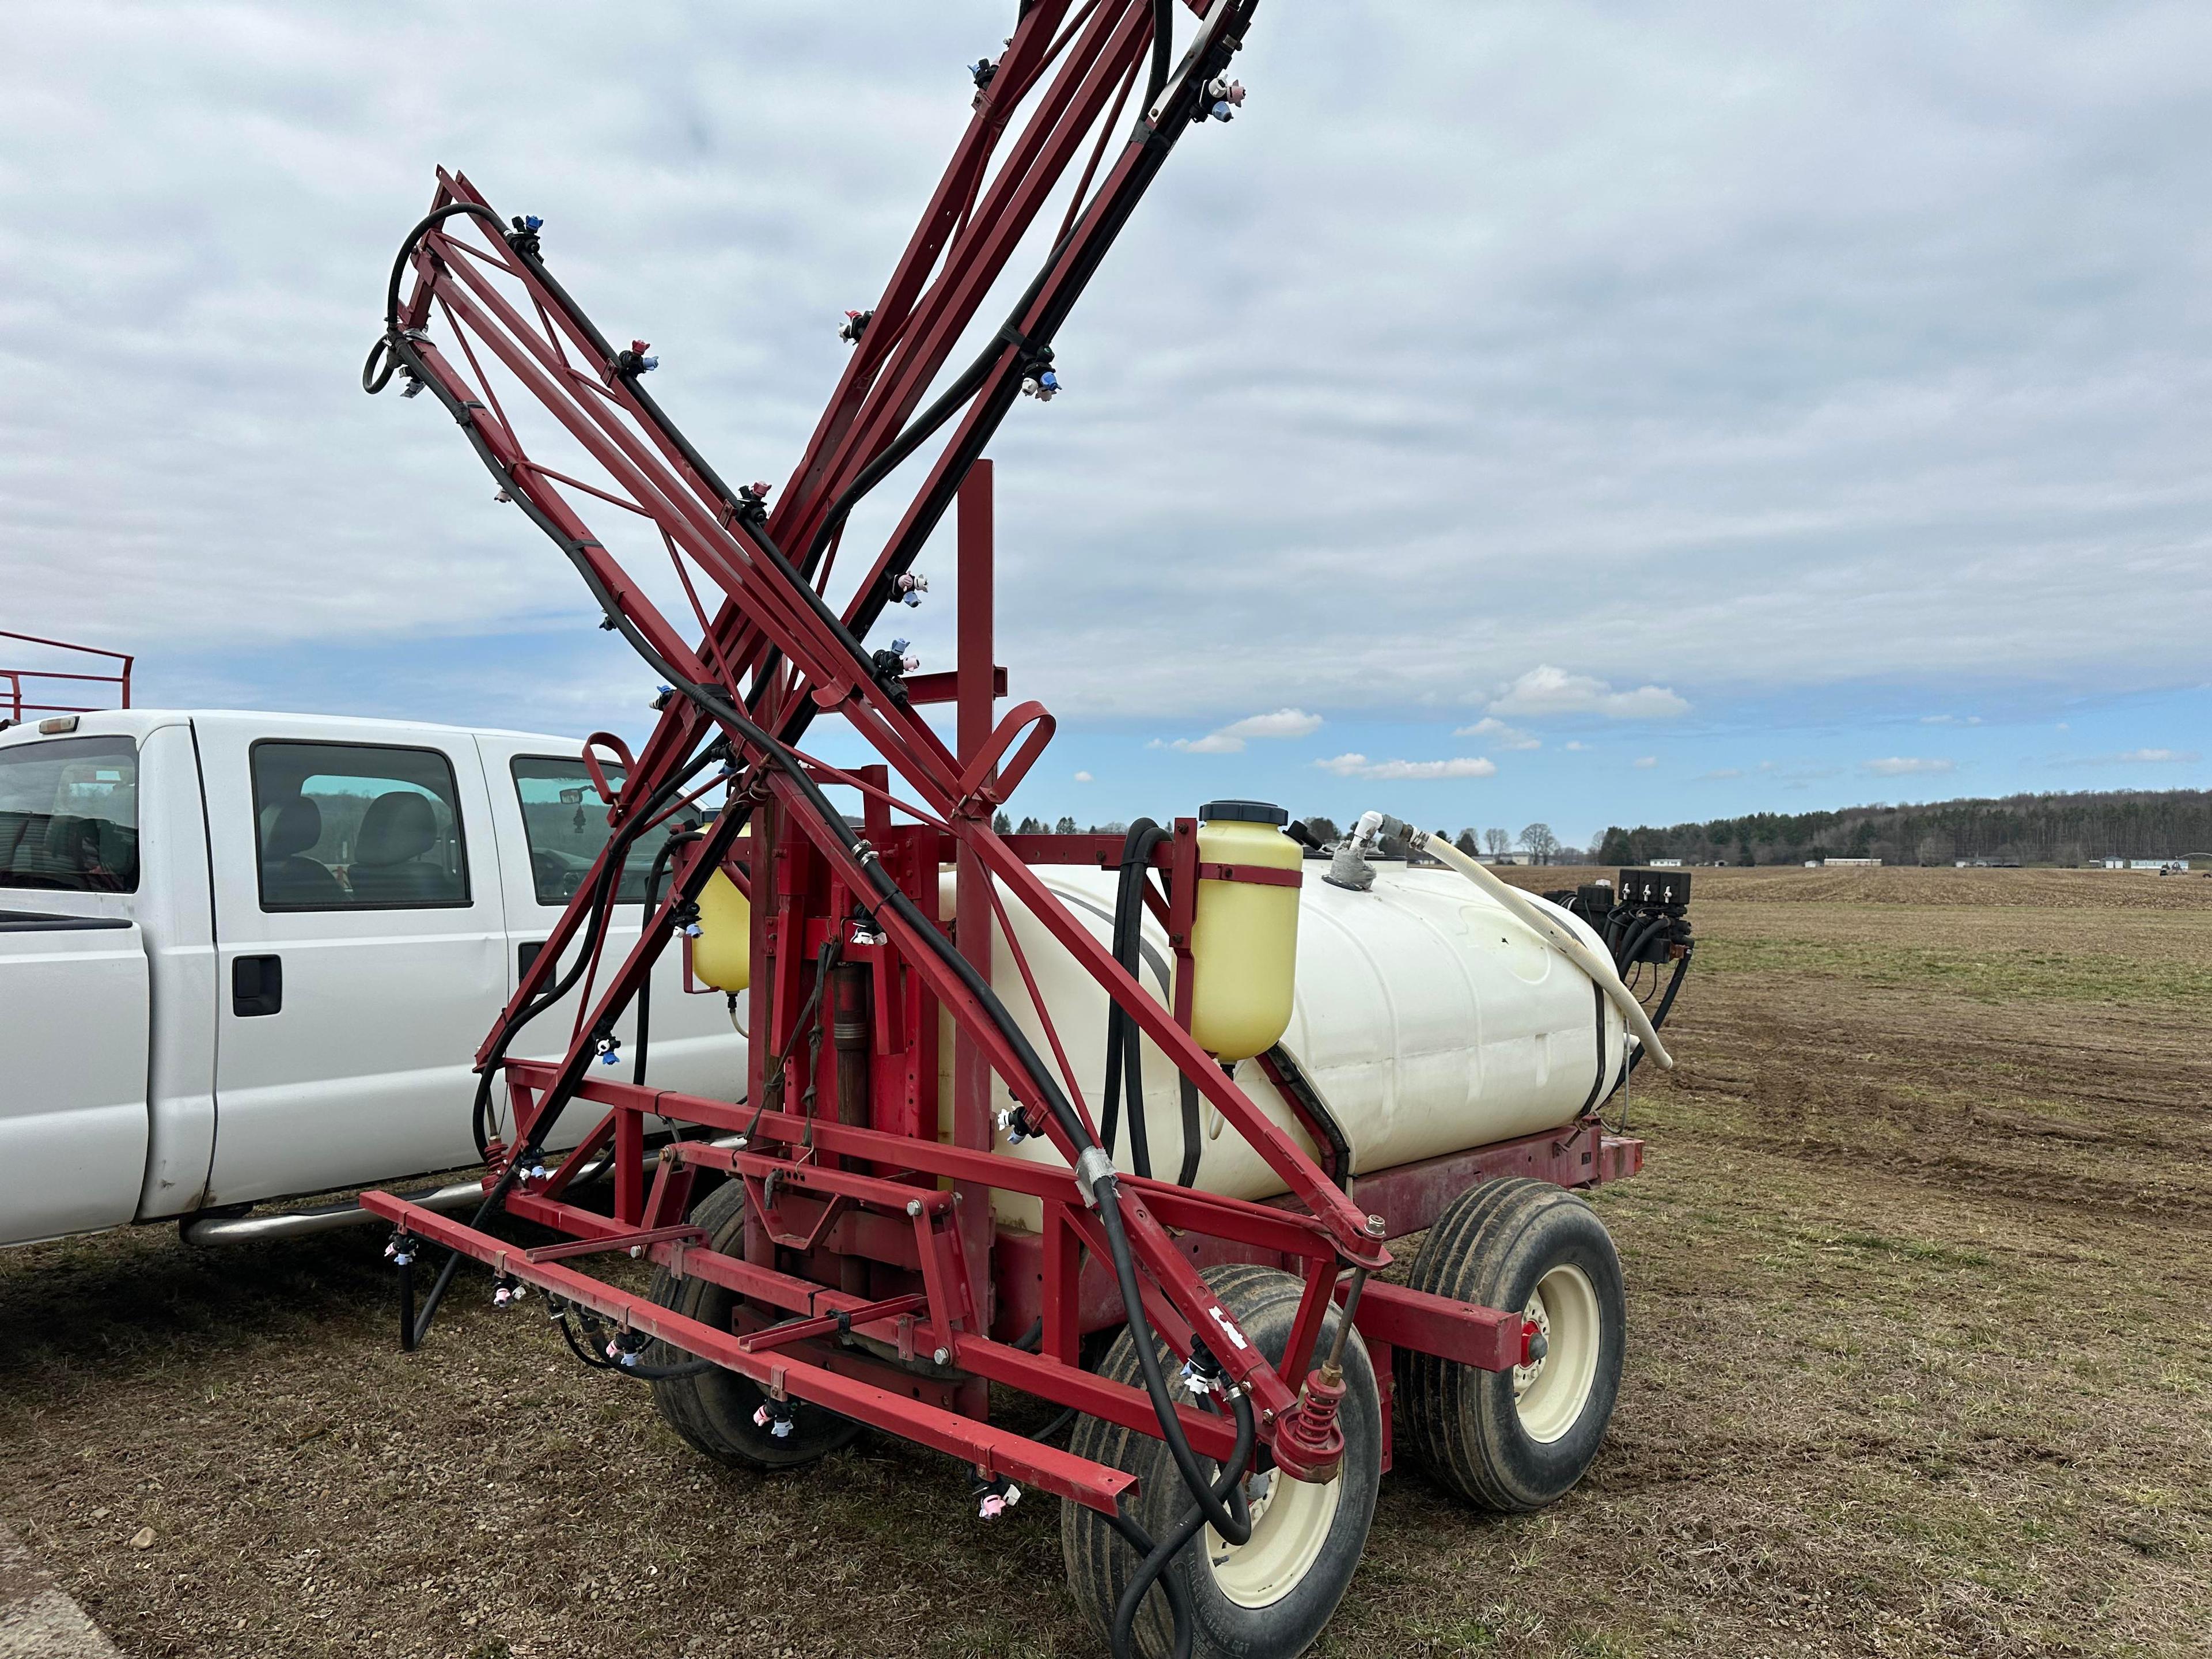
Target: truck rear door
362, 948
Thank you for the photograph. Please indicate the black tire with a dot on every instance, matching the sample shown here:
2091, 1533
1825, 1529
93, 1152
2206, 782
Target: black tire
714, 1410
1264, 1302
1503, 1439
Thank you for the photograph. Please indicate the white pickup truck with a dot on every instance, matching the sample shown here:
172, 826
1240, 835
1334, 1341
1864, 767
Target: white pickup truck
250, 957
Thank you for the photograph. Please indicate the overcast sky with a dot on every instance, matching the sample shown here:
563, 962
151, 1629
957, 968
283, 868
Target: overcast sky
1614, 413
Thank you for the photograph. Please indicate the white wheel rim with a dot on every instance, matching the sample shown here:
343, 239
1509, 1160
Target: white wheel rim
1291, 1523
1551, 1393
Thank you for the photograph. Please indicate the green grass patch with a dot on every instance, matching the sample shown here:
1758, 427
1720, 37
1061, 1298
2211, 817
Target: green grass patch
2000, 977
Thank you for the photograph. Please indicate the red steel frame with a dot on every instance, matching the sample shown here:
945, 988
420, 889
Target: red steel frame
875, 1281
12, 706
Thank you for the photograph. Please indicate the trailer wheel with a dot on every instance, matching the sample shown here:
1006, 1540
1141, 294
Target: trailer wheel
1272, 1595
1519, 1439
714, 1410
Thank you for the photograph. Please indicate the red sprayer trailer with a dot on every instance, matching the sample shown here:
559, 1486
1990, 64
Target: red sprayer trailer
917, 1196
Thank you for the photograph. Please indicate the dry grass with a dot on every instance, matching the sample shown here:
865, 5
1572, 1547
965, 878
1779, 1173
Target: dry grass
1918, 1366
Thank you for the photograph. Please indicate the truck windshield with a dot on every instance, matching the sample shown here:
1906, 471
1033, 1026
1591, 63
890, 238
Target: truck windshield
69, 815
565, 819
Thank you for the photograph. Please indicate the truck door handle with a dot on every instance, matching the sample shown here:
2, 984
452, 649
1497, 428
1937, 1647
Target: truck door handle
524, 954
257, 986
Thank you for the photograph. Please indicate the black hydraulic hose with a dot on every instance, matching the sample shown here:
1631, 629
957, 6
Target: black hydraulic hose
1666, 1006
605, 892
1153, 1568
1125, 1062
636, 1373
647, 906
1219, 1515
1624, 958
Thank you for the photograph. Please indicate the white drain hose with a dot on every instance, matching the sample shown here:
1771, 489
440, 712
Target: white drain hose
1565, 940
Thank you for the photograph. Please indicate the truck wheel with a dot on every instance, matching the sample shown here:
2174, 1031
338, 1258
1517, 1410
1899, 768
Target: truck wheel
714, 1410
1269, 1596
1517, 1439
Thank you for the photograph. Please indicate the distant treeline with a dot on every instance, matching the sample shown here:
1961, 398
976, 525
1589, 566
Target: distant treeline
2055, 829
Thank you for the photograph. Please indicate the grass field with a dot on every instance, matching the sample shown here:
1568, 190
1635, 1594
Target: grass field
1918, 1365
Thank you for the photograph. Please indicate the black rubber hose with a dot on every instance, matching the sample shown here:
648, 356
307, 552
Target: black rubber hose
1666, 1006
1626, 958
646, 907
605, 894
1125, 1062
1122, 1635
1232, 1528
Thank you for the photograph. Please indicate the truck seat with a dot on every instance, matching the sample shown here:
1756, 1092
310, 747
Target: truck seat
287, 875
387, 864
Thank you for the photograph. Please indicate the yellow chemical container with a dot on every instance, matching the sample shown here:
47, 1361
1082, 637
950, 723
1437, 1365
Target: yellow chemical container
1244, 941
722, 955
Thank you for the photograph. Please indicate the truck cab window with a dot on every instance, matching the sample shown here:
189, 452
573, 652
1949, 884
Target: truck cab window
565, 820
69, 815
357, 826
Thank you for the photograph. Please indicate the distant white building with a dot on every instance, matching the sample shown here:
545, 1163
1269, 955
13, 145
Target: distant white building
1664, 864
1850, 864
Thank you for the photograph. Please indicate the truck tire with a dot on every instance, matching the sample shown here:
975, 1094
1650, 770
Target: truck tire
1269, 1598
1520, 1439
714, 1410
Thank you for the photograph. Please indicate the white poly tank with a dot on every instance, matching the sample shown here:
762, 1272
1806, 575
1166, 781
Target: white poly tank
1430, 1019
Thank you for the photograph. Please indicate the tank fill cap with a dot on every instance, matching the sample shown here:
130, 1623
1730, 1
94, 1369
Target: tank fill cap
1242, 811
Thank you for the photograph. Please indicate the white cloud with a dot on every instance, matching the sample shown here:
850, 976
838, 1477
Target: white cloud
1718, 774
1505, 735
1394, 771
1905, 766
1085, 777
1283, 723
1645, 763
1578, 745
1230, 739
2137, 757
1548, 690
1950, 720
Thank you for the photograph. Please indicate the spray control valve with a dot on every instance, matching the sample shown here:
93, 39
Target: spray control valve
506, 1290
752, 501
661, 694
1040, 380
608, 1048
909, 585
1014, 1123
907, 662
1201, 1372
867, 932
1224, 98
775, 1416
635, 361
855, 326
995, 1495
624, 1347
400, 1251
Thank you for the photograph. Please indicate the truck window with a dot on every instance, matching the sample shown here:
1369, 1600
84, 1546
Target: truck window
69, 815
345, 826
565, 820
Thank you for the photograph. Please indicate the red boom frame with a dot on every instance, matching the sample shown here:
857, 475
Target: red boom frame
871, 1223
